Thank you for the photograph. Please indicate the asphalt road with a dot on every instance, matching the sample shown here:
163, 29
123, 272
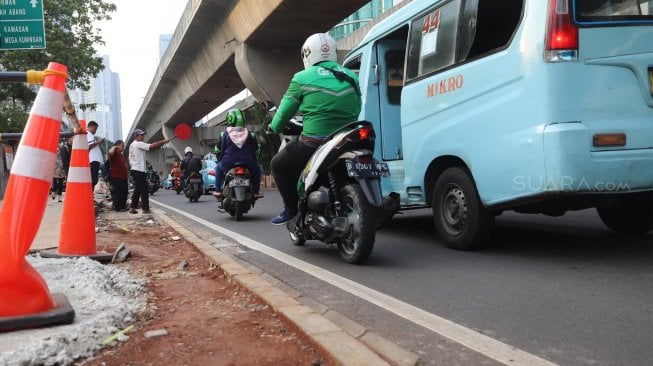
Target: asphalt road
565, 290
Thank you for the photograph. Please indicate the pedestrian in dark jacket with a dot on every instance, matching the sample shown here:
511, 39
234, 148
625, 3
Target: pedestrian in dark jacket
119, 174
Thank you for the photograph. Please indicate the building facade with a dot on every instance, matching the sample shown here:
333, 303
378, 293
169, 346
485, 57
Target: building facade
105, 93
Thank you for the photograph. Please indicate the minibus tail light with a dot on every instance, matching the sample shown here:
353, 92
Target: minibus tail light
561, 43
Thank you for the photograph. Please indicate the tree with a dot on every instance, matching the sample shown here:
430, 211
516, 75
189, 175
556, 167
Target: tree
71, 35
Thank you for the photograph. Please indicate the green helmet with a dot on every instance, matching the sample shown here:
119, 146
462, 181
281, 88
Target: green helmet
235, 118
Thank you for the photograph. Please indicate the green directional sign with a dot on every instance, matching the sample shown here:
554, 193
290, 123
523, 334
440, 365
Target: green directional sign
21, 24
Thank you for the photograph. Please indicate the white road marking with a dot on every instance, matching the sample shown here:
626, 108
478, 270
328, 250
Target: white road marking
471, 339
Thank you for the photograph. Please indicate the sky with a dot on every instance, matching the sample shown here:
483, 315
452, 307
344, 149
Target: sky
132, 43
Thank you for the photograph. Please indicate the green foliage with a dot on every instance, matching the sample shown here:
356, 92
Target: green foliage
268, 143
71, 35
12, 117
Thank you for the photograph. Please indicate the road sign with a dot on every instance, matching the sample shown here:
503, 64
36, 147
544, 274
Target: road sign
21, 24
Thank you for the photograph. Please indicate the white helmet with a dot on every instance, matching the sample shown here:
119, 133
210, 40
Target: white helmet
188, 149
317, 48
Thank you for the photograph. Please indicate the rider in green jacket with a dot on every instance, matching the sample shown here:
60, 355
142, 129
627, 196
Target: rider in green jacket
328, 97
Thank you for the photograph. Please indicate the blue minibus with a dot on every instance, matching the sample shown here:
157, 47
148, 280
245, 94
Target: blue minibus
535, 106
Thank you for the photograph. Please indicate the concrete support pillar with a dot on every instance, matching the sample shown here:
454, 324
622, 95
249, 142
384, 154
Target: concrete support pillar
266, 71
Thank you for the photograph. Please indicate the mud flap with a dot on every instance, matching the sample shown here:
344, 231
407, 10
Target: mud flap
372, 190
240, 193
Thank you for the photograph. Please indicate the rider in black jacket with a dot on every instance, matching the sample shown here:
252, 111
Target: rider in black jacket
190, 164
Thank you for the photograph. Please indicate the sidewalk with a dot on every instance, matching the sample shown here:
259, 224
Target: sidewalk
344, 340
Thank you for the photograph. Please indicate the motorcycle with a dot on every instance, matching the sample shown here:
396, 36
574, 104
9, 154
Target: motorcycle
176, 184
340, 193
237, 193
193, 187
152, 184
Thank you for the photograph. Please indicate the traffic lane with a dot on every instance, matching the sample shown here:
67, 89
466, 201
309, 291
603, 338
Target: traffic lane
432, 347
552, 286
565, 288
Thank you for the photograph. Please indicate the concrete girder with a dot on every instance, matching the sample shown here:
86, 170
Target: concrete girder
198, 71
266, 71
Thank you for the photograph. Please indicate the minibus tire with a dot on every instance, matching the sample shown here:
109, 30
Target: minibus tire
459, 217
630, 215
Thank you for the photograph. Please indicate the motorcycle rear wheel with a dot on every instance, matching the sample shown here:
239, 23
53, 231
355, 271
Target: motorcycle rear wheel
356, 245
239, 209
296, 239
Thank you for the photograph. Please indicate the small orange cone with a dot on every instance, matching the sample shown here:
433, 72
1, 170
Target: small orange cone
77, 233
25, 300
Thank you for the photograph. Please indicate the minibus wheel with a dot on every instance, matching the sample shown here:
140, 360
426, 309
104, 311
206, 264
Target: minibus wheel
460, 219
632, 214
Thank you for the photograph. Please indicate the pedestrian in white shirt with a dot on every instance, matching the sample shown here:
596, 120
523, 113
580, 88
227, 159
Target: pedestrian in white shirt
94, 152
138, 169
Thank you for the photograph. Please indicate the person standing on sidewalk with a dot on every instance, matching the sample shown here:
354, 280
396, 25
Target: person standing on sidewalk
119, 174
94, 153
138, 173
66, 150
59, 173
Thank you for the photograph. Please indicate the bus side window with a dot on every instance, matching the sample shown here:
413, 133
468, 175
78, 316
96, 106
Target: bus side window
394, 61
433, 39
354, 65
494, 25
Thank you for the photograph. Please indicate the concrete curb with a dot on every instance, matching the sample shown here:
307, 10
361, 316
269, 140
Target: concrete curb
344, 340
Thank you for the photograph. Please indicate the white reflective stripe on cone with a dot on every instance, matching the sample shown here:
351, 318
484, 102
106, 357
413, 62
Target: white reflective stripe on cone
34, 163
79, 175
80, 142
48, 103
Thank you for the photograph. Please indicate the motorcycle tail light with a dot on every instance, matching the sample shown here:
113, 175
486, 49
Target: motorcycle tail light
211, 172
239, 170
364, 132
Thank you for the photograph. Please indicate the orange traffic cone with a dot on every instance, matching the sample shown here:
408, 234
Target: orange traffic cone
25, 300
77, 233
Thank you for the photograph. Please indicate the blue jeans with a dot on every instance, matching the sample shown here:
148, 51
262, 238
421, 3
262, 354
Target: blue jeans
254, 174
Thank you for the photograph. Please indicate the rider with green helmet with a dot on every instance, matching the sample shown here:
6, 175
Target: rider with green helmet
237, 145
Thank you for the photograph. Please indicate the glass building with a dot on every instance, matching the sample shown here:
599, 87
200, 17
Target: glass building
361, 17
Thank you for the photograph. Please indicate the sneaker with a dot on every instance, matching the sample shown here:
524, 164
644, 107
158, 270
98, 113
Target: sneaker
258, 195
284, 217
52, 195
133, 211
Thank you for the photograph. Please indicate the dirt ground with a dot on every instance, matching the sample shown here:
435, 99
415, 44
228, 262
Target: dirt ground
209, 319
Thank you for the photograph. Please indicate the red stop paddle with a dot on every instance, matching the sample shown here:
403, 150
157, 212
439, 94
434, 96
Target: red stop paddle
182, 131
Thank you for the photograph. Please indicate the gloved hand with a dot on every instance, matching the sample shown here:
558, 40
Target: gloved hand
268, 130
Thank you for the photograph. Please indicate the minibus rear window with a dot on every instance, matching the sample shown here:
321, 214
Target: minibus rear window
596, 12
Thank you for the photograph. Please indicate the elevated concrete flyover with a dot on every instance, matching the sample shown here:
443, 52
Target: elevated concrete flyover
221, 47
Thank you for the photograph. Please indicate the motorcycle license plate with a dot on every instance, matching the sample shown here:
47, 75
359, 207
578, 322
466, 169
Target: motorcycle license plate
195, 180
367, 170
239, 182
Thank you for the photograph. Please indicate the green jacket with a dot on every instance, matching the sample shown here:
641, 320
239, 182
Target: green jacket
325, 102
